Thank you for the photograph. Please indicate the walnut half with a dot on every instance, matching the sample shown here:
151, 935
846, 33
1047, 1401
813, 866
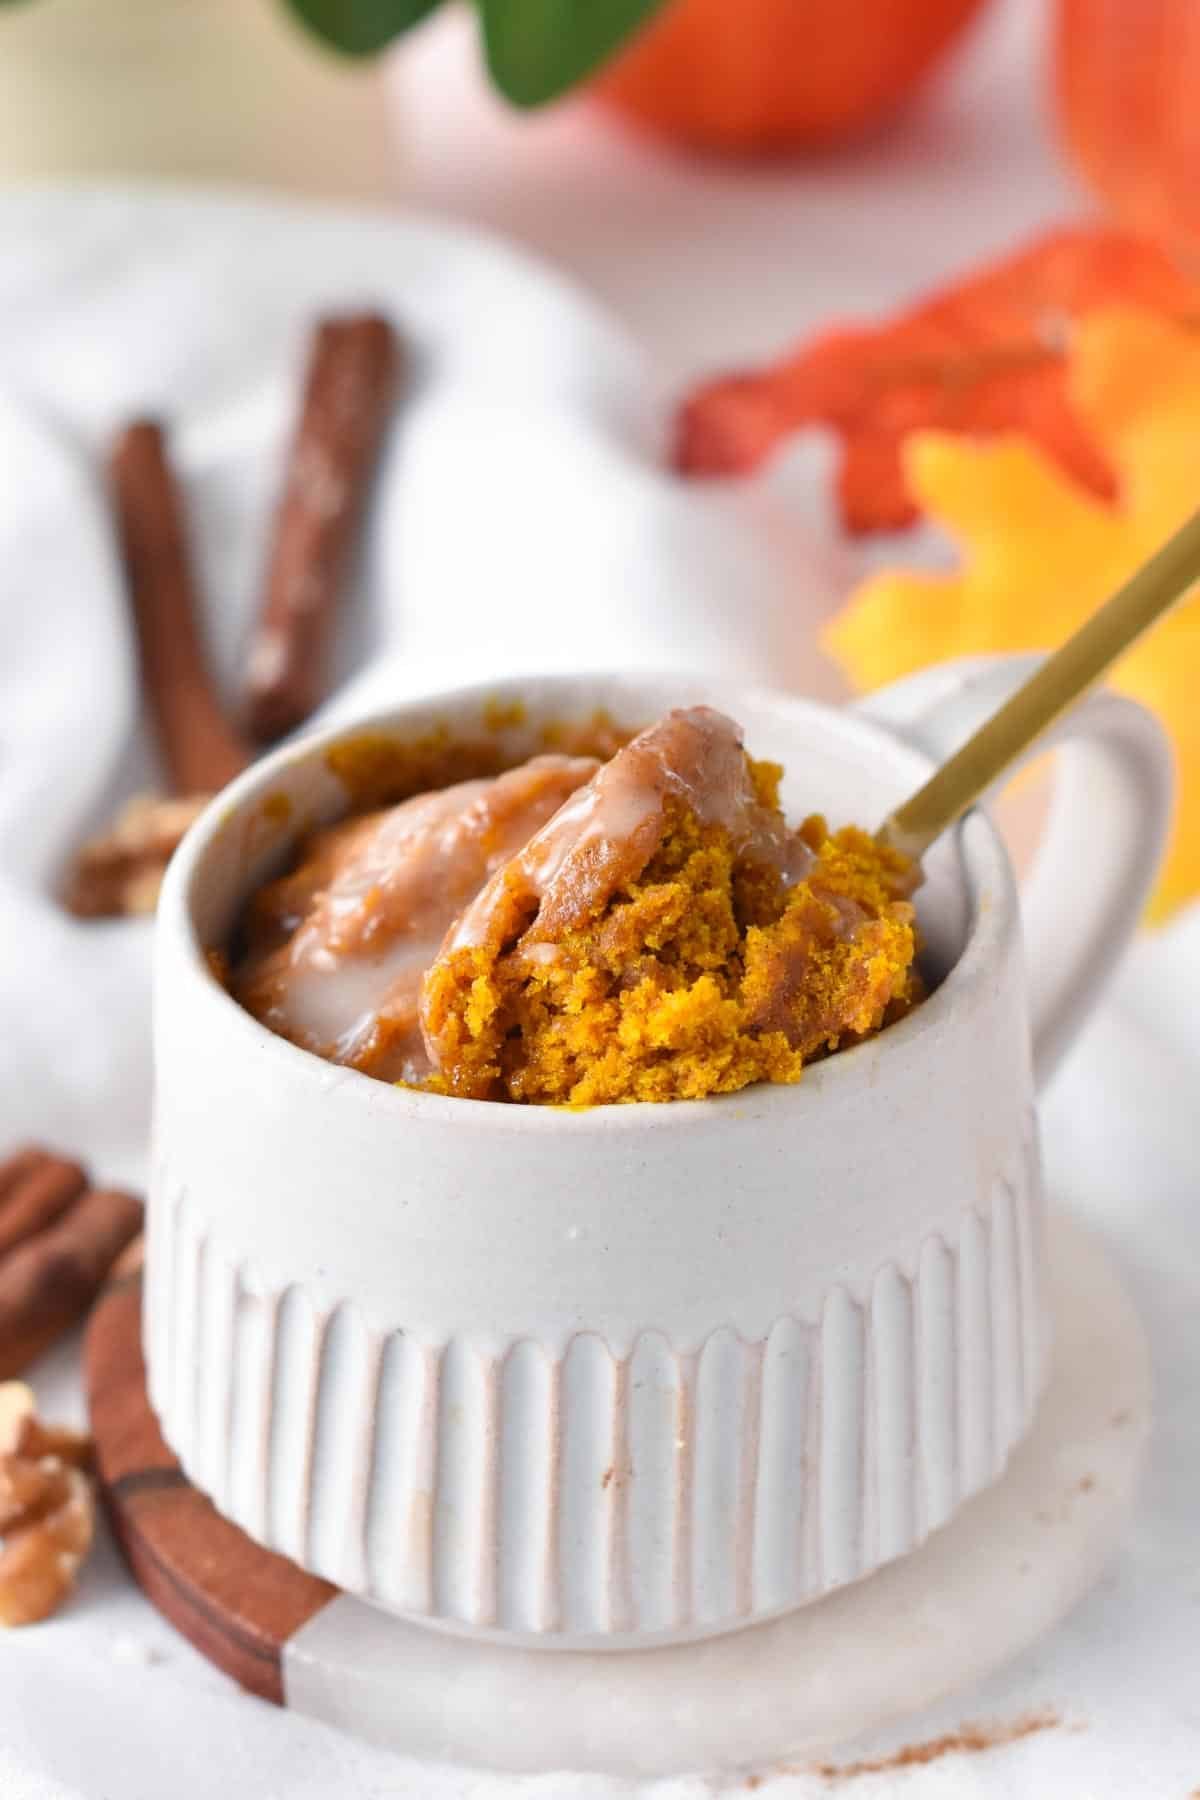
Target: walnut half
47, 1509
119, 873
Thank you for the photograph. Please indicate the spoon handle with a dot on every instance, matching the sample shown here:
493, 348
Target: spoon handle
1156, 587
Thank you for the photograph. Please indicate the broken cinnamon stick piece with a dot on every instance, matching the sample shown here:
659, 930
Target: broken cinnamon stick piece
48, 1282
354, 366
199, 746
36, 1188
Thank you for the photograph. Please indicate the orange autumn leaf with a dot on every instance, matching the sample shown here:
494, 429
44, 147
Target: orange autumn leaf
1039, 552
983, 357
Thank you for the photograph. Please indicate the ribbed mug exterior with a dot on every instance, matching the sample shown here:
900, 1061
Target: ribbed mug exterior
580, 1491
635, 1374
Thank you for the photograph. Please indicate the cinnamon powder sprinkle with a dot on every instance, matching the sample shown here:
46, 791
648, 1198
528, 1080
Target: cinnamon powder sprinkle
967, 1740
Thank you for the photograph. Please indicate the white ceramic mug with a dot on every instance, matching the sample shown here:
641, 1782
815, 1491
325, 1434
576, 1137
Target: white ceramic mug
642, 1373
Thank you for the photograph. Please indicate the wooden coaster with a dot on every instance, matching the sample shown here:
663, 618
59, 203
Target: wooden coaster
1002, 1572
236, 1602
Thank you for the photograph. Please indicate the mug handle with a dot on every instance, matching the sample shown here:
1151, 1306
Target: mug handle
1109, 818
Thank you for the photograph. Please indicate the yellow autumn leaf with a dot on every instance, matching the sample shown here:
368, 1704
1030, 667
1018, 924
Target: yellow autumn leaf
1039, 553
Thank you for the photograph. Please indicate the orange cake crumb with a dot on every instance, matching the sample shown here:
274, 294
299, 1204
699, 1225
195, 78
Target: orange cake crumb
576, 932
698, 978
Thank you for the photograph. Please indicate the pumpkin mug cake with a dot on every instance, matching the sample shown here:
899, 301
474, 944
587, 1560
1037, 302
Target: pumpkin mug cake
580, 932
424, 1316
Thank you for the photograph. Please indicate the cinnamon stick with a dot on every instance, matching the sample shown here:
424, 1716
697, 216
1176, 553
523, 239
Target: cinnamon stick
36, 1187
48, 1282
200, 748
353, 371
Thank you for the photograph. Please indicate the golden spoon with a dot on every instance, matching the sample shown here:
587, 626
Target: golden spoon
1156, 587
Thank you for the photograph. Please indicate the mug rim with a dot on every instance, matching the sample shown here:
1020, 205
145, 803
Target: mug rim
981, 859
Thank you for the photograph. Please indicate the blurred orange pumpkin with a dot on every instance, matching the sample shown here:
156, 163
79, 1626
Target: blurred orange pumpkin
1126, 80
748, 75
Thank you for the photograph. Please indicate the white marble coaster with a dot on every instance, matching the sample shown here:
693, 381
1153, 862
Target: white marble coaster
1002, 1572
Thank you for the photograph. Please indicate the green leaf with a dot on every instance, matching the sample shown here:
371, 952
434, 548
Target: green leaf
536, 49
360, 27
